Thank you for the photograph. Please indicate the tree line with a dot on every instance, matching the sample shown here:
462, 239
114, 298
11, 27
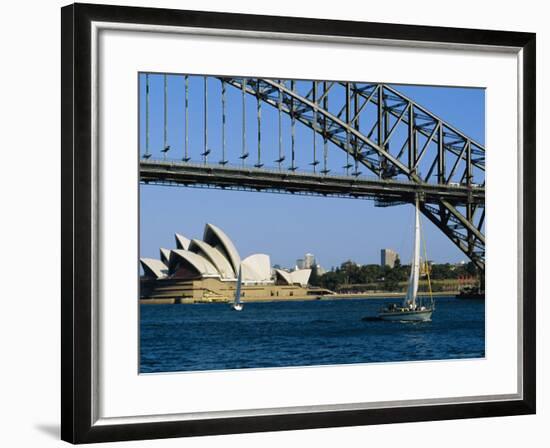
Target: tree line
352, 276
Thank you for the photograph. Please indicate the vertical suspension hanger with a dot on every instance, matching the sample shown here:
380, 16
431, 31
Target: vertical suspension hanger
293, 166
223, 161
348, 165
356, 173
206, 149
325, 169
386, 133
280, 110
314, 128
259, 163
411, 157
147, 154
166, 146
244, 153
380, 128
186, 157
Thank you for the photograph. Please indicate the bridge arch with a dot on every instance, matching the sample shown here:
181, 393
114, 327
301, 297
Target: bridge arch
410, 151
452, 157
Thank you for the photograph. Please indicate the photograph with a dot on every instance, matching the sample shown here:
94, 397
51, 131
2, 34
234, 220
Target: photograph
293, 222
273, 222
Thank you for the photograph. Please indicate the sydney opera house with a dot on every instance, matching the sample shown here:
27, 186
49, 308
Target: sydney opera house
207, 270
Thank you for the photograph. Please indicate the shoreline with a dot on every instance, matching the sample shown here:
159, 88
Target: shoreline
388, 295
347, 296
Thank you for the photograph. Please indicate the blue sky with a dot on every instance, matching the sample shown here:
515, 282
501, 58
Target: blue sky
281, 225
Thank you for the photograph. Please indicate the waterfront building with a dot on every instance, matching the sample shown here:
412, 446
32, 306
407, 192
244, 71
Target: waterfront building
207, 270
300, 263
388, 257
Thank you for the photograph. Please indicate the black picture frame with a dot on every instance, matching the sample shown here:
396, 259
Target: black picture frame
77, 424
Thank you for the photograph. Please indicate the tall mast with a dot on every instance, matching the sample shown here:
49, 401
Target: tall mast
410, 298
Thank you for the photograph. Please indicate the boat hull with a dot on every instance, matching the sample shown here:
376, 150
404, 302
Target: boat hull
407, 316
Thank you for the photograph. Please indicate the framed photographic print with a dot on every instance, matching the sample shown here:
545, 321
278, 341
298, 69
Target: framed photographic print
275, 223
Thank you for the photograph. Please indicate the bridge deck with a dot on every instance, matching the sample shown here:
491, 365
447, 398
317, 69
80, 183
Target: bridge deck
188, 174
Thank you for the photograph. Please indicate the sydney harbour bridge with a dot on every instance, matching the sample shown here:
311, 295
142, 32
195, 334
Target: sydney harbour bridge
330, 138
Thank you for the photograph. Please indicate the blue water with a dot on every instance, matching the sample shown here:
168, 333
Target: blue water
279, 334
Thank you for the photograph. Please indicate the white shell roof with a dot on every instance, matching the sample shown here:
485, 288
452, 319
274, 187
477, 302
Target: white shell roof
154, 267
182, 242
300, 276
284, 275
214, 256
165, 255
219, 240
201, 264
256, 268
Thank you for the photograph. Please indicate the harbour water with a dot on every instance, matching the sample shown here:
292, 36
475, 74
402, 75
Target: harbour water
323, 332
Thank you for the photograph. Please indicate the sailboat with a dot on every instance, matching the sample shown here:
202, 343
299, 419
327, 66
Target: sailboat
237, 305
412, 309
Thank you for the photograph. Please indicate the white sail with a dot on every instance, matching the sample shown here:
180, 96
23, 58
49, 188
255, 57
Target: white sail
238, 288
410, 298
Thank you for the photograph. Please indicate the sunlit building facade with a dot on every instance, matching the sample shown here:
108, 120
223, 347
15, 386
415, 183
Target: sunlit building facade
388, 257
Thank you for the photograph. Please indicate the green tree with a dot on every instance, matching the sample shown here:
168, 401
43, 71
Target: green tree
331, 280
391, 280
371, 273
443, 271
314, 278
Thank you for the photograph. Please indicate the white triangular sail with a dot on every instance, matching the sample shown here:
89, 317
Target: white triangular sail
237, 300
410, 298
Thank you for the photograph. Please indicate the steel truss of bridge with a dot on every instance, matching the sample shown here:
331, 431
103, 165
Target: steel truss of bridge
407, 150
254, 179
